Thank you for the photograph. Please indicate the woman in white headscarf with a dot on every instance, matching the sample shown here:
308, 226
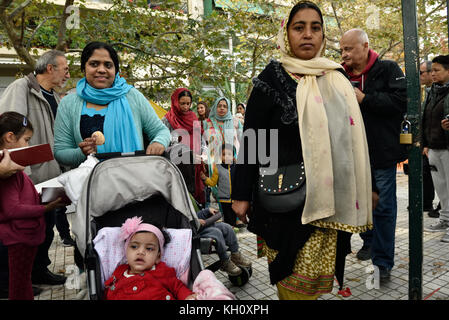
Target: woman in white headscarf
313, 106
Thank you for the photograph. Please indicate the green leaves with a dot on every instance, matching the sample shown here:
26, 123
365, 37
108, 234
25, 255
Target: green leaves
162, 49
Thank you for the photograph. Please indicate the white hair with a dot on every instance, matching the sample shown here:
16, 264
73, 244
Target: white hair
47, 58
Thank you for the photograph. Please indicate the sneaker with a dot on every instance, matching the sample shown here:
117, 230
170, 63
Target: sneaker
445, 237
230, 268
438, 227
48, 278
240, 260
68, 242
364, 253
240, 225
434, 213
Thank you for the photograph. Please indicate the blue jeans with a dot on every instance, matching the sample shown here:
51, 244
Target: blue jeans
381, 239
224, 236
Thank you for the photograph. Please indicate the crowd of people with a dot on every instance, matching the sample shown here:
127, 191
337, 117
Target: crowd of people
338, 125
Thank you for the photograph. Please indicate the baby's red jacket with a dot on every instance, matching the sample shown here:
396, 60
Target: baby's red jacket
157, 284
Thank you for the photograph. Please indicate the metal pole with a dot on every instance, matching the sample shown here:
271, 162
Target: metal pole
208, 7
410, 25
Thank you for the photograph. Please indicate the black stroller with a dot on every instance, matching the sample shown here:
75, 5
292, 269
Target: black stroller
119, 188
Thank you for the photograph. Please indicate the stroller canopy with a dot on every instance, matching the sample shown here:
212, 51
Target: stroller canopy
116, 182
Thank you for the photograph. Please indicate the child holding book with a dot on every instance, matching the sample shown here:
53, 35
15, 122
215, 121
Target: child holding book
22, 222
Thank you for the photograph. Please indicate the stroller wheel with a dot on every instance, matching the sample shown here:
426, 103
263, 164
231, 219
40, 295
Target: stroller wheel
250, 271
242, 278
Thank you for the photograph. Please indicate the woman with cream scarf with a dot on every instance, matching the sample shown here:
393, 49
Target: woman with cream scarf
314, 108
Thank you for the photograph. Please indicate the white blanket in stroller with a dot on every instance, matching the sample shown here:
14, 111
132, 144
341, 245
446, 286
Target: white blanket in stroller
111, 251
74, 180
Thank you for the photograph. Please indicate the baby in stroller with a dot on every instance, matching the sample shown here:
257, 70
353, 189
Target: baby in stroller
145, 276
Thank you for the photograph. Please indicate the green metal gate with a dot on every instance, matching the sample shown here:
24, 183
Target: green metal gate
411, 49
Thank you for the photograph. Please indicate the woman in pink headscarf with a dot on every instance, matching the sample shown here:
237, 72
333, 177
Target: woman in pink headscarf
181, 117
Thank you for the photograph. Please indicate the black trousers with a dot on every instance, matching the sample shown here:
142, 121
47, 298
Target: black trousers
42, 260
62, 224
228, 214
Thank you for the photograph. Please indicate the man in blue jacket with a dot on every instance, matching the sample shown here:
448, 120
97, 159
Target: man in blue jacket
380, 88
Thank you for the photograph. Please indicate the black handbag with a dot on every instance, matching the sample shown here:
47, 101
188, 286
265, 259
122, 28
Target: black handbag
283, 191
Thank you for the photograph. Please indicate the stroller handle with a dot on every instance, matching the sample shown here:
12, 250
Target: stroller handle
110, 155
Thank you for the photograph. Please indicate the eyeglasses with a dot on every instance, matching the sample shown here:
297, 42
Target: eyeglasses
66, 69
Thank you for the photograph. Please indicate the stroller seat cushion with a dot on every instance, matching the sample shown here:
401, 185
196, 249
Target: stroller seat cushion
178, 251
111, 251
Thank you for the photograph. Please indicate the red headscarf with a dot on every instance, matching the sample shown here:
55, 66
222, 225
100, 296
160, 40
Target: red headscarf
181, 120
177, 118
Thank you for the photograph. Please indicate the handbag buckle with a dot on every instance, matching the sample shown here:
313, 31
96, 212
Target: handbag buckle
280, 178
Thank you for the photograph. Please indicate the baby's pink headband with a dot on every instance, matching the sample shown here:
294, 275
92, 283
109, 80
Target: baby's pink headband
133, 225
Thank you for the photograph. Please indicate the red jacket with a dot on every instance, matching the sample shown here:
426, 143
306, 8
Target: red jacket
21, 215
157, 284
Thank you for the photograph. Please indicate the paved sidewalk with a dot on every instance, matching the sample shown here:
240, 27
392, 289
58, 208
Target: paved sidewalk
435, 266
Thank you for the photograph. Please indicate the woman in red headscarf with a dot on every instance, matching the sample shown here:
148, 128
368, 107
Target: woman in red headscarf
180, 121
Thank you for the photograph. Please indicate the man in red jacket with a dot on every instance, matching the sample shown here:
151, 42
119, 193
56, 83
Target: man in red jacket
380, 89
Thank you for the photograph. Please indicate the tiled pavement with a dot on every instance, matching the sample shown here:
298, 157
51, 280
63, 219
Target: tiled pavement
435, 266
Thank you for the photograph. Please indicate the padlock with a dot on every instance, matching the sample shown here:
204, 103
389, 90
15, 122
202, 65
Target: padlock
405, 137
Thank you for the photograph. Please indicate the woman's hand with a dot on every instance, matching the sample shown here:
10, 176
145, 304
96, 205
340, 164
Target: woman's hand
202, 222
425, 151
7, 166
155, 148
375, 200
445, 124
240, 208
359, 95
88, 146
203, 176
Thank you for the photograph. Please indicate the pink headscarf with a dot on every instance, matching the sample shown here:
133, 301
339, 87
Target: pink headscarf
134, 225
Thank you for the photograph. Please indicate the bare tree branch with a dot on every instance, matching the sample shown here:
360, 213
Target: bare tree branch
392, 45
28, 45
62, 43
19, 9
13, 36
156, 78
336, 17
437, 8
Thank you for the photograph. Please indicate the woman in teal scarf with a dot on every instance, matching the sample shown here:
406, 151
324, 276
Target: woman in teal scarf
220, 128
105, 102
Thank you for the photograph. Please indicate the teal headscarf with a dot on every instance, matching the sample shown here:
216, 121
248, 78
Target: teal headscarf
228, 122
119, 128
